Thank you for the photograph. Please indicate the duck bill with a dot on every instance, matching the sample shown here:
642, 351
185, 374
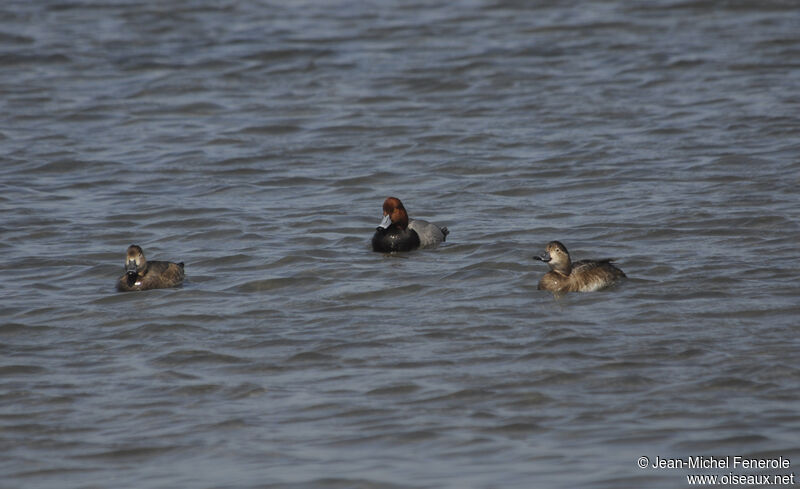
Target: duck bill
386, 222
131, 268
543, 257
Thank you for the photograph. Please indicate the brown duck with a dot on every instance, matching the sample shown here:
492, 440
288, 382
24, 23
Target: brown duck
580, 276
141, 274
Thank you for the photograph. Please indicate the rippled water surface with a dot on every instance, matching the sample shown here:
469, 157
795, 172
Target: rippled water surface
256, 142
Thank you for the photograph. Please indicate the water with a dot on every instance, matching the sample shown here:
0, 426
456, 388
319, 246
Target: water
256, 141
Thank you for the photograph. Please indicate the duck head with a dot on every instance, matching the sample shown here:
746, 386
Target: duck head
134, 261
394, 213
557, 257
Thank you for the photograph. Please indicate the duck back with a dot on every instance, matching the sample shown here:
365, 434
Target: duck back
586, 276
429, 234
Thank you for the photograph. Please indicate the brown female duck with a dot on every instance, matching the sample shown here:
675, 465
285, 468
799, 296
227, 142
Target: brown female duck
141, 274
580, 276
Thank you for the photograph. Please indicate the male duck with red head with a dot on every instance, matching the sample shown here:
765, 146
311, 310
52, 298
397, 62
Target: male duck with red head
141, 274
397, 232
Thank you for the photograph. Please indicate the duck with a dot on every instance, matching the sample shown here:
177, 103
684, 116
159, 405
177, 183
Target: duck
397, 232
141, 274
580, 276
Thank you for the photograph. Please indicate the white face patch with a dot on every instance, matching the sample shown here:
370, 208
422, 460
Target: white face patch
386, 222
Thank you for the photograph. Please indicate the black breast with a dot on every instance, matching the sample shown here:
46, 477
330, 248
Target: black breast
394, 239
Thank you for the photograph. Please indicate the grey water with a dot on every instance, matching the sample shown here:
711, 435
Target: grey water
256, 141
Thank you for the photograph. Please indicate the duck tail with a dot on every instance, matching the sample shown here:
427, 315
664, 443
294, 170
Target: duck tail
445, 232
